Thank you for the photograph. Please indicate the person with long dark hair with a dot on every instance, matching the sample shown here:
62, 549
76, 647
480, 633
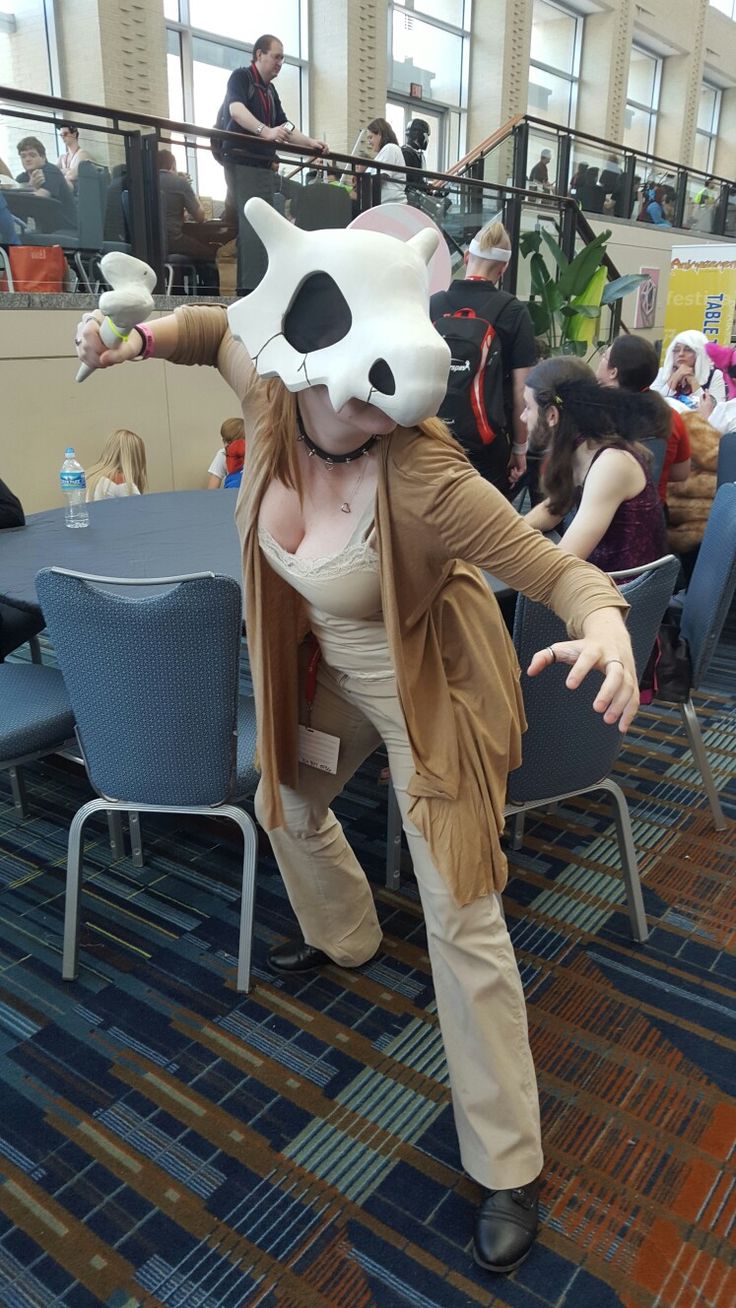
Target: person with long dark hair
591, 468
631, 363
385, 148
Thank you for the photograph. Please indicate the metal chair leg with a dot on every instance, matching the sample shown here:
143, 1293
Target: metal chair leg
629, 864
70, 949
115, 828
697, 746
18, 790
35, 647
517, 838
136, 839
393, 840
247, 894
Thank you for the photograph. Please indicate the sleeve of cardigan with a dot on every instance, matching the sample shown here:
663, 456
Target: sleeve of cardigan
472, 521
205, 338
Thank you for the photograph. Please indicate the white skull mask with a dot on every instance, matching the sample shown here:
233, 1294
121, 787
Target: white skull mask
347, 310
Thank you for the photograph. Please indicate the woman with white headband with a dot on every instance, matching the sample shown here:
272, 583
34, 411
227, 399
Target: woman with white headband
364, 529
502, 459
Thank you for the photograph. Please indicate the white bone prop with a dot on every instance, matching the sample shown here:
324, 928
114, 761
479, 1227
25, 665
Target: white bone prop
129, 302
385, 282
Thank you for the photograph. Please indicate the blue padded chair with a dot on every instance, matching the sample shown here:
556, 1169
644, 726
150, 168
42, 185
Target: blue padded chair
557, 715
154, 685
707, 601
727, 458
35, 719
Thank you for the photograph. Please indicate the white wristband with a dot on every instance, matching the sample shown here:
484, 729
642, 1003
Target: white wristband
519, 449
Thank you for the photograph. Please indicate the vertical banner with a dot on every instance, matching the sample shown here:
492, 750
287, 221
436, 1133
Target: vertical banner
646, 299
702, 292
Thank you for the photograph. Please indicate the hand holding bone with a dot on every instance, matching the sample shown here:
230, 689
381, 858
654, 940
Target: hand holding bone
128, 303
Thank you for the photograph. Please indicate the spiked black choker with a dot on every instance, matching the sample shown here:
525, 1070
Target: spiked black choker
327, 458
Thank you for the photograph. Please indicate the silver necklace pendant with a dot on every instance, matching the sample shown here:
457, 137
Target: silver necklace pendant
344, 507
329, 465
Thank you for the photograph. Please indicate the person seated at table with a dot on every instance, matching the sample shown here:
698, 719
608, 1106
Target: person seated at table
591, 468
18, 621
46, 180
631, 363
120, 469
178, 199
11, 509
232, 429
8, 229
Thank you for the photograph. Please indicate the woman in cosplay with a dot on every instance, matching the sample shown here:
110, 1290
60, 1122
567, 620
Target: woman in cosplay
364, 529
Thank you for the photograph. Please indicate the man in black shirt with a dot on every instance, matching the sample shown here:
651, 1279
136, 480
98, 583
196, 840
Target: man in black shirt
47, 180
255, 109
503, 460
252, 107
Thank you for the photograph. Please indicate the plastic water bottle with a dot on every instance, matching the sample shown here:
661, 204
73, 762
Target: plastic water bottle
74, 489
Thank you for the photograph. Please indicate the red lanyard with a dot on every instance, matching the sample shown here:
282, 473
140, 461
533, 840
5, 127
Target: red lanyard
263, 93
310, 683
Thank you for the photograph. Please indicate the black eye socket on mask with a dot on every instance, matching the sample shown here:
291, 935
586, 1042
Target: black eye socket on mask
318, 316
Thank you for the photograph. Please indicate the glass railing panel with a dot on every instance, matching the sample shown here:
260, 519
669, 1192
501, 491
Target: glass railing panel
701, 203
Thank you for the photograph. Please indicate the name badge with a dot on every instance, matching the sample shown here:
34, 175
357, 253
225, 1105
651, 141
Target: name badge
318, 750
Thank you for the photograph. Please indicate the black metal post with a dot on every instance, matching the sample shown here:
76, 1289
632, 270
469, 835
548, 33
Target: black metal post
153, 215
135, 210
680, 200
512, 223
521, 150
625, 200
564, 154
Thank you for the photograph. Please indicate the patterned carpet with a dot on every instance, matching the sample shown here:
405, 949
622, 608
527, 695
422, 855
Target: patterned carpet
167, 1142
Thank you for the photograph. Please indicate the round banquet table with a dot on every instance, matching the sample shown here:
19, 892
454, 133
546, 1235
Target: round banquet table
163, 535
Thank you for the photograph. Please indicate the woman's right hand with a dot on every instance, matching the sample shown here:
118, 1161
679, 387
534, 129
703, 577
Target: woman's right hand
92, 350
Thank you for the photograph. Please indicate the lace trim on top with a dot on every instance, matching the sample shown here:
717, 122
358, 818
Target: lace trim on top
349, 559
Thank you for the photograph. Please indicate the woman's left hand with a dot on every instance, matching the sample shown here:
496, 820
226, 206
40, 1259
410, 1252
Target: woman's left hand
605, 646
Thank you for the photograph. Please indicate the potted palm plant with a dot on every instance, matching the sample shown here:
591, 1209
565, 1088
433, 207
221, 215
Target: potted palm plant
568, 295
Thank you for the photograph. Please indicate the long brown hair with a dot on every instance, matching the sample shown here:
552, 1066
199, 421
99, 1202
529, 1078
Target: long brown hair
587, 411
281, 435
385, 131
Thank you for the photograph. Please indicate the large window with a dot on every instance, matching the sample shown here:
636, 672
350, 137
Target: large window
428, 54
642, 100
727, 7
554, 63
706, 133
206, 40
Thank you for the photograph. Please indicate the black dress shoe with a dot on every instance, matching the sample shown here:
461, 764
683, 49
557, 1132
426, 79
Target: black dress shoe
505, 1227
296, 956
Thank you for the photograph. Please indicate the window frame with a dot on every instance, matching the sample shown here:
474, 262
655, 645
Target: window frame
652, 110
572, 75
711, 134
187, 34
454, 116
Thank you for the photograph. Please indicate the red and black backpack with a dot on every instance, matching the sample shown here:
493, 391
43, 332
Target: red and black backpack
474, 406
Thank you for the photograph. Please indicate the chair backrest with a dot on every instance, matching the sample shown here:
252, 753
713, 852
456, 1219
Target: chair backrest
727, 458
567, 746
153, 682
321, 205
92, 183
658, 449
710, 592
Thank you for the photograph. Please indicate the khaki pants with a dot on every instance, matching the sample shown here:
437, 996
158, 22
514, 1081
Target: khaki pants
479, 997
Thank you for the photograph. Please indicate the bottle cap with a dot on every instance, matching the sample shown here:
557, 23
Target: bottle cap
69, 450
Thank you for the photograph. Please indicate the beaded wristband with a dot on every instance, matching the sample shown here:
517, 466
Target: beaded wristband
149, 342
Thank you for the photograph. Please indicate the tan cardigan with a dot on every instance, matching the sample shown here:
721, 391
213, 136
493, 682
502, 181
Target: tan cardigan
456, 670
